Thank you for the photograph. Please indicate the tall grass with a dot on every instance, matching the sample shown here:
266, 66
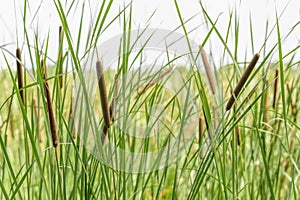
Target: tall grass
52, 137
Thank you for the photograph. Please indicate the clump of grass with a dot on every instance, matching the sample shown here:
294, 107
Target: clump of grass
103, 99
208, 71
53, 127
242, 81
275, 88
20, 74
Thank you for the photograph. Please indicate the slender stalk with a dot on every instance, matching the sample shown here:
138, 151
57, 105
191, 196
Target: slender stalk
71, 118
275, 88
11, 126
113, 102
267, 103
208, 71
36, 114
60, 62
53, 127
242, 82
20, 74
237, 129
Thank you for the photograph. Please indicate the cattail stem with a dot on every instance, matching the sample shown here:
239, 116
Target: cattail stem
237, 129
275, 88
50, 108
113, 102
242, 82
103, 99
60, 62
71, 118
266, 103
36, 113
20, 74
11, 126
208, 71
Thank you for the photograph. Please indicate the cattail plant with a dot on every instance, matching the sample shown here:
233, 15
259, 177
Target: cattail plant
242, 82
201, 129
20, 74
266, 103
113, 102
292, 104
208, 71
237, 129
275, 88
155, 80
60, 58
71, 118
50, 108
36, 114
11, 126
103, 99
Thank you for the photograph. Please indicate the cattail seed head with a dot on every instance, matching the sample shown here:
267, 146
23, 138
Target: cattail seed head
208, 71
53, 128
103, 94
275, 88
242, 81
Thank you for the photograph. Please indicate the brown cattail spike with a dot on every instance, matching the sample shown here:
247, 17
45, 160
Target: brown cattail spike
103, 94
50, 108
208, 71
113, 102
20, 74
243, 80
275, 88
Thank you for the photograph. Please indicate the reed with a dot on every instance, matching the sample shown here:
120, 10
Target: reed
20, 74
103, 99
11, 126
237, 129
208, 71
266, 103
72, 118
242, 81
53, 127
113, 102
36, 114
275, 88
60, 59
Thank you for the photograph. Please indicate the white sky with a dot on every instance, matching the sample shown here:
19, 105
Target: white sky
47, 21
